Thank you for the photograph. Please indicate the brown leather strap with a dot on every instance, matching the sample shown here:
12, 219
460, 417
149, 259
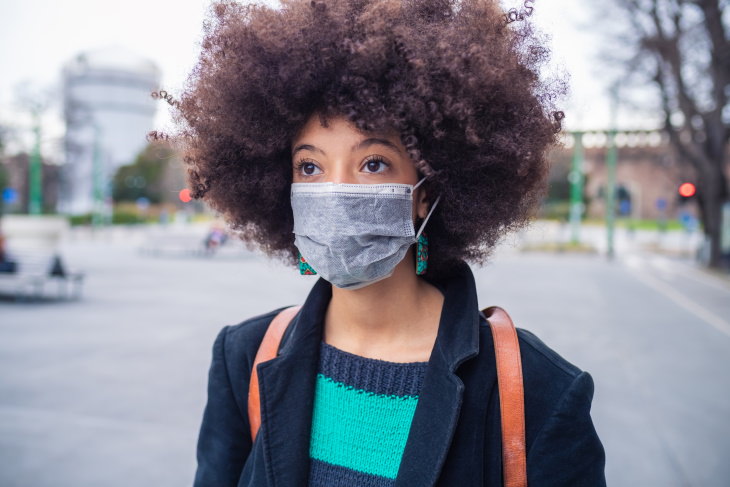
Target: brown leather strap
268, 349
511, 396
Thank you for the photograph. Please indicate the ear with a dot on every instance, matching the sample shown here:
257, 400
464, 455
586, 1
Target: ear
421, 202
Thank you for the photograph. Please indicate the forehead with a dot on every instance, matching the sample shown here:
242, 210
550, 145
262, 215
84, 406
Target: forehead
337, 131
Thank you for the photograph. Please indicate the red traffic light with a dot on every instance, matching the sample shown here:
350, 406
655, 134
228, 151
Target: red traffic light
184, 195
687, 190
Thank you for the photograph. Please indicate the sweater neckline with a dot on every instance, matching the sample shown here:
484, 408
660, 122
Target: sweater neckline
374, 361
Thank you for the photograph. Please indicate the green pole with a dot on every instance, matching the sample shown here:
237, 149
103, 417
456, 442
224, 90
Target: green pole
35, 185
96, 216
576, 187
611, 161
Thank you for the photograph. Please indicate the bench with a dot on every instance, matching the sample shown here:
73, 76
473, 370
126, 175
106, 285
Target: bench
36, 268
32, 242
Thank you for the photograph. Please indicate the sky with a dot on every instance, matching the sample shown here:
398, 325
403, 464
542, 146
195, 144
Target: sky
38, 36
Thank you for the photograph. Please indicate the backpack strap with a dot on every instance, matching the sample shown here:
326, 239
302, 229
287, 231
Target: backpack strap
509, 381
268, 349
511, 396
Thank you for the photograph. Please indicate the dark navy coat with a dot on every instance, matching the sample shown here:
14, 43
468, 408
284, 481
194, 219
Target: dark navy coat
455, 437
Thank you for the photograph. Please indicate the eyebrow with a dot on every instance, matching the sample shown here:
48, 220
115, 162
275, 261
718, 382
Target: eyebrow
363, 144
372, 141
308, 147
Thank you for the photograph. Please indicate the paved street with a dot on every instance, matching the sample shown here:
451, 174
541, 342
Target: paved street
109, 391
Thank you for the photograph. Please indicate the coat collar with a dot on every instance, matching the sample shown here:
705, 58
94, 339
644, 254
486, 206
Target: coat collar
287, 387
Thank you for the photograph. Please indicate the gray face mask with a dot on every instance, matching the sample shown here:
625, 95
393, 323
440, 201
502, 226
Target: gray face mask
354, 234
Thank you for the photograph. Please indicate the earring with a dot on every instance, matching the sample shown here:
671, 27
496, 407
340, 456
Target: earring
422, 254
304, 268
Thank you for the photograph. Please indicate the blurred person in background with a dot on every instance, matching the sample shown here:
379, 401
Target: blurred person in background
215, 238
6, 263
380, 145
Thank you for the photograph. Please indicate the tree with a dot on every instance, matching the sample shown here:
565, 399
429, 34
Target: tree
143, 178
682, 47
4, 135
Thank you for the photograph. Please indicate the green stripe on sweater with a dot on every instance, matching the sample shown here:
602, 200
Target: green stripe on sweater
358, 429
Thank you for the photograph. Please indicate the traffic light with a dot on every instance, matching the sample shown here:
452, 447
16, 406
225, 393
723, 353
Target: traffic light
687, 192
184, 195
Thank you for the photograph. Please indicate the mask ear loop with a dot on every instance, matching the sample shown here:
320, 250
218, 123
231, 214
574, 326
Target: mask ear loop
423, 225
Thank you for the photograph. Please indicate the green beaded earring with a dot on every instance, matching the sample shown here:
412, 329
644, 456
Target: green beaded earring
422, 254
304, 268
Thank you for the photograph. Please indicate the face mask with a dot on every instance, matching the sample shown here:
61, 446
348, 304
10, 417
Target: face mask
354, 234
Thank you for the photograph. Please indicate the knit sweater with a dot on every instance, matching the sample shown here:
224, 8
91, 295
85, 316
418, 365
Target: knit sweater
363, 410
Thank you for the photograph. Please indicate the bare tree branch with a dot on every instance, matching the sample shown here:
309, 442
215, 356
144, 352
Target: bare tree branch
687, 41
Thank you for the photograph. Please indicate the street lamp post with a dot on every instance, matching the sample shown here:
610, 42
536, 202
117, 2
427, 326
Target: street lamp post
611, 161
35, 183
97, 216
576, 187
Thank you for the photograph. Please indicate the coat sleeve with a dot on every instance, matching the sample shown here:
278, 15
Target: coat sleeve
567, 450
224, 441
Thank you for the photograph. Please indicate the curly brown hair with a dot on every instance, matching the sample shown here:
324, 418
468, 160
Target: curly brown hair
459, 80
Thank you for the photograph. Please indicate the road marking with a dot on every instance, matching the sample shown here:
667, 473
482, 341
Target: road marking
690, 272
708, 316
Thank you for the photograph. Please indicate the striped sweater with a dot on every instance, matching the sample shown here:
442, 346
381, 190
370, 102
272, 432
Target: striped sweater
363, 410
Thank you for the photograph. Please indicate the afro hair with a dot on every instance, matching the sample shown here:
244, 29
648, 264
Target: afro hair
459, 80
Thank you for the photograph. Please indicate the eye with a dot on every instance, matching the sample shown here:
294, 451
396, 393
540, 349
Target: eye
375, 165
308, 168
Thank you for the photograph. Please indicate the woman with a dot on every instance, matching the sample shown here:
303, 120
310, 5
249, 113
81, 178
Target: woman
379, 144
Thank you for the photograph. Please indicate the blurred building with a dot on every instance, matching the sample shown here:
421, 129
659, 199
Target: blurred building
648, 174
108, 110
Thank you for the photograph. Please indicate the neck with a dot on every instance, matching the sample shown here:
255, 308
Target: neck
394, 319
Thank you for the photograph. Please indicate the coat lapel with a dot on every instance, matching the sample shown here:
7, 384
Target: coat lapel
286, 385
440, 401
